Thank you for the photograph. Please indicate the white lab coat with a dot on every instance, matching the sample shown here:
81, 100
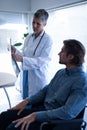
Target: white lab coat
37, 64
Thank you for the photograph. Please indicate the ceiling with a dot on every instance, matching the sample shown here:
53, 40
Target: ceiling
24, 6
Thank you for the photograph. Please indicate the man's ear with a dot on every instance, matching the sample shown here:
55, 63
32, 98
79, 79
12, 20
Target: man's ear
70, 56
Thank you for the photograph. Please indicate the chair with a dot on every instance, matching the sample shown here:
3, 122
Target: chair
77, 123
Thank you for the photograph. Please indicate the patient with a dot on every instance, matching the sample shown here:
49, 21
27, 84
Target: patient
63, 98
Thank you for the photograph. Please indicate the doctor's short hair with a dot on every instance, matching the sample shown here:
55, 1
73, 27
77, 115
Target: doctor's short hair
77, 49
42, 14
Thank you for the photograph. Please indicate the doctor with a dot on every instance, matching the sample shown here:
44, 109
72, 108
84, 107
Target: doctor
36, 54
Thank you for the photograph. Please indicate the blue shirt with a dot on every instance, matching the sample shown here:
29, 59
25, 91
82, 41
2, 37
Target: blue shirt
64, 97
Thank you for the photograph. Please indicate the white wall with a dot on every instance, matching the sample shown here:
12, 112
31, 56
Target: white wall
15, 5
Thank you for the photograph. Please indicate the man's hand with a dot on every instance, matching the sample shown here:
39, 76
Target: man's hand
25, 121
21, 106
17, 57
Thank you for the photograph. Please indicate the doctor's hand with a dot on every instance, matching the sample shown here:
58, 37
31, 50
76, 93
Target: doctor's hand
25, 121
17, 57
13, 49
20, 107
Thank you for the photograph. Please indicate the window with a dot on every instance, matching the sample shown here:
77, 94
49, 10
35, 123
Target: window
12, 27
68, 23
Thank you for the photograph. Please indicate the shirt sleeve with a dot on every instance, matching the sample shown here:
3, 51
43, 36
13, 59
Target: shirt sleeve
38, 97
18, 52
73, 106
24, 45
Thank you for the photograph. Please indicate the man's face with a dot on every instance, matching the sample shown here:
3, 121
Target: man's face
38, 25
63, 57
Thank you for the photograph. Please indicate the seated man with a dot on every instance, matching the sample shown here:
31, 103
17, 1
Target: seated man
63, 98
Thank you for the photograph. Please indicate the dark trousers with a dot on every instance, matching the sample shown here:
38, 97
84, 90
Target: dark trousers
8, 116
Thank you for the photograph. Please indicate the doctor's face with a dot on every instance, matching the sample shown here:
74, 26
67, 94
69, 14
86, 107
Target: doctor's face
38, 25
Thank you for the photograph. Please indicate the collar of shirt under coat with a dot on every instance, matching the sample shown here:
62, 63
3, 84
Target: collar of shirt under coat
40, 35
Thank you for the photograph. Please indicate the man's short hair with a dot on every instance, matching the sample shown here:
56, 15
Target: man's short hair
76, 48
42, 13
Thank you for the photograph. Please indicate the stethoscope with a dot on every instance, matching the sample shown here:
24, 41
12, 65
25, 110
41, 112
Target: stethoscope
38, 44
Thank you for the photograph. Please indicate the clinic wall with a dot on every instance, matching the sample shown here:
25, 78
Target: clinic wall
15, 5
51, 4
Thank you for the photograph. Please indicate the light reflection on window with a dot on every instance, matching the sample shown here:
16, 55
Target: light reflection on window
69, 23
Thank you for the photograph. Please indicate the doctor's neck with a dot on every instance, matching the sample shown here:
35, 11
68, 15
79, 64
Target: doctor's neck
37, 34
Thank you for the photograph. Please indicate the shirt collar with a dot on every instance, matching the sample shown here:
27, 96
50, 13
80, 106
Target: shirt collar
74, 70
39, 35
